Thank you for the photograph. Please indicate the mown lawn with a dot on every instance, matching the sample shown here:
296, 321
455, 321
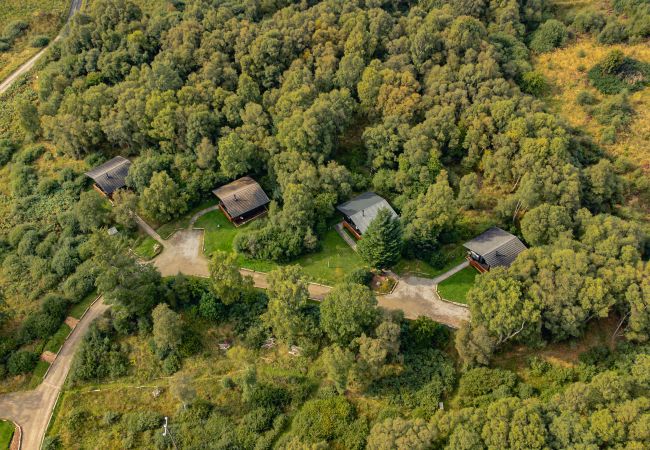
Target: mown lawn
166, 230
38, 374
56, 341
456, 287
6, 433
77, 310
146, 248
328, 265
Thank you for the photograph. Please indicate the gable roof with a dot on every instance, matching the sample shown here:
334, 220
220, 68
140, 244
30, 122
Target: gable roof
241, 196
496, 246
364, 208
111, 175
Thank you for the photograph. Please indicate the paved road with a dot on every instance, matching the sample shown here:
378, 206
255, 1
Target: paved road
32, 409
27, 66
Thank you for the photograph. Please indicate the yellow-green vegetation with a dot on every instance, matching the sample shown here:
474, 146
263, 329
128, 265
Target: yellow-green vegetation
456, 287
56, 342
6, 433
42, 17
80, 308
38, 374
328, 265
147, 247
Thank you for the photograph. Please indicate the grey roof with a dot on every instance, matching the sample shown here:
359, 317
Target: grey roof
241, 196
111, 175
364, 208
496, 246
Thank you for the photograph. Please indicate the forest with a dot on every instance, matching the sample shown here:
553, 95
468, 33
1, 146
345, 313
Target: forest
441, 107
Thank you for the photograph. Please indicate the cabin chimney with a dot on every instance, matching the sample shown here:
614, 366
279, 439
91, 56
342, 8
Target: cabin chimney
235, 195
363, 212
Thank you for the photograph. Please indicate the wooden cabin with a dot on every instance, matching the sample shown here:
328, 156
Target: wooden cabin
494, 248
242, 200
110, 176
361, 210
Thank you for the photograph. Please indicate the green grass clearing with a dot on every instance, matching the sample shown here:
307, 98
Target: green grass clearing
57, 340
6, 433
456, 287
147, 248
77, 310
166, 230
328, 265
421, 268
38, 374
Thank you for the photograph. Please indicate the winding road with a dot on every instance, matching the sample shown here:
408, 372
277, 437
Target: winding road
32, 409
27, 66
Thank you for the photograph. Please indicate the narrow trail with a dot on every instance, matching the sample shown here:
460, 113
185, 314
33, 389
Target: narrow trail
32, 409
30, 63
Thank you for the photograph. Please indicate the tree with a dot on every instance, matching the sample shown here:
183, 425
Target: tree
28, 118
288, 295
125, 204
545, 224
92, 211
474, 344
347, 311
381, 244
338, 362
551, 34
162, 198
227, 282
401, 433
468, 191
167, 328
206, 154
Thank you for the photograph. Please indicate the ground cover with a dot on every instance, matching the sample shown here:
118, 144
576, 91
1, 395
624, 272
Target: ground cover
167, 229
78, 310
6, 433
43, 18
146, 247
456, 287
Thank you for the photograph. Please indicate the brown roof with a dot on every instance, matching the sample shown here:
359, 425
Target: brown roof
241, 196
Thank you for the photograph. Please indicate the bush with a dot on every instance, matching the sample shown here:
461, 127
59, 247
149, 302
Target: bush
361, 276
55, 306
534, 83
111, 417
323, 420
595, 356
4, 46
40, 41
21, 362
14, 29
38, 326
52, 443
616, 73
585, 98
482, 385
613, 33
425, 333
7, 148
137, 422
588, 22
551, 34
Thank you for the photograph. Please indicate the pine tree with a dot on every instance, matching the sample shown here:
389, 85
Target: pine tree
381, 245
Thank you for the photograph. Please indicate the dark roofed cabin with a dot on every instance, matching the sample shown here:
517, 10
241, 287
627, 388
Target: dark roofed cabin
494, 248
361, 210
242, 200
110, 176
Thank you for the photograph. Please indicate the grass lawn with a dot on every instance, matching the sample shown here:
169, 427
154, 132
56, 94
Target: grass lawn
6, 433
56, 341
327, 266
78, 309
147, 247
167, 229
38, 374
455, 288
455, 254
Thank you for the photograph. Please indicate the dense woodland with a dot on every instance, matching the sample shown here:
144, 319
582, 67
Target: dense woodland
434, 105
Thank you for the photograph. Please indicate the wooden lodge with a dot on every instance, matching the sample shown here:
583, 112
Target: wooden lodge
110, 176
361, 210
242, 200
494, 248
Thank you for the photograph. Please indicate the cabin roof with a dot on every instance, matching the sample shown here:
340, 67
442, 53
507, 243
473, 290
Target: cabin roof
364, 208
111, 175
241, 196
496, 246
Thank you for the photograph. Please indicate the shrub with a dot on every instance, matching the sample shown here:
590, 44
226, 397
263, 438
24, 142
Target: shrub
7, 148
616, 73
40, 41
14, 29
38, 326
137, 422
111, 417
585, 98
595, 356
534, 83
613, 33
55, 306
551, 34
614, 111
21, 362
425, 333
52, 443
4, 46
323, 420
482, 385
361, 276
588, 22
